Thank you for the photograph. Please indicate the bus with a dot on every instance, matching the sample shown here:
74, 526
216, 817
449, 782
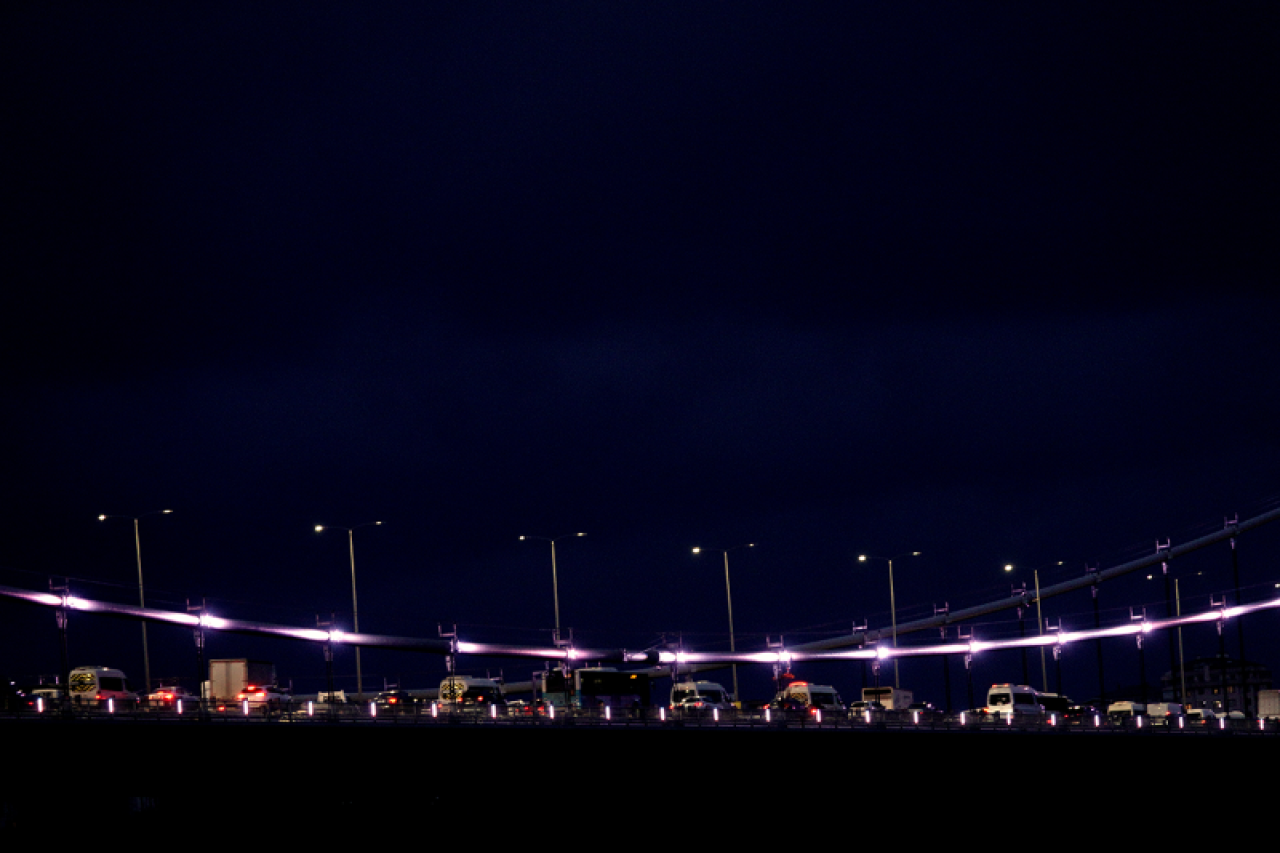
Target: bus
594, 688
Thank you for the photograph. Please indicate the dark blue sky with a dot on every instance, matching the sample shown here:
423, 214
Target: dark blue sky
993, 284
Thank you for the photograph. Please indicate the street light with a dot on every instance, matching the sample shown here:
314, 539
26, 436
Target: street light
555, 583
355, 610
142, 600
729, 598
1044, 671
893, 605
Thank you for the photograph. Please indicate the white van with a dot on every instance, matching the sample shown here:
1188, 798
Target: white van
699, 694
97, 684
1013, 700
821, 696
1120, 712
1164, 713
464, 693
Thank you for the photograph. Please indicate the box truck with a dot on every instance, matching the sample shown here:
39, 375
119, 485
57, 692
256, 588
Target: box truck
1269, 704
228, 677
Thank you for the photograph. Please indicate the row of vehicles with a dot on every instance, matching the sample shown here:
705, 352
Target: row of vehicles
610, 691
1010, 702
108, 687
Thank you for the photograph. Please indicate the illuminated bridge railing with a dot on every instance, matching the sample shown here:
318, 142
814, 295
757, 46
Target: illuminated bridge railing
494, 716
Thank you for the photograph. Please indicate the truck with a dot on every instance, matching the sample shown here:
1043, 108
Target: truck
1269, 704
889, 698
229, 676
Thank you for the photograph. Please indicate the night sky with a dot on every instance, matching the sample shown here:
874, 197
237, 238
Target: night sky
993, 283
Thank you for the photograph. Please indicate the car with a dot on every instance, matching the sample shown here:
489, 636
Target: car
787, 703
695, 706
169, 697
1082, 715
267, 697
525, 708
51, 694
860, 710
395, 700
924, 712
14, 698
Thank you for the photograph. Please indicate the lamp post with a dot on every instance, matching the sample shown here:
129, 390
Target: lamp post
555, 582
893, 605
355, 609
1178, 673
142, 599
1044, 671
729, 598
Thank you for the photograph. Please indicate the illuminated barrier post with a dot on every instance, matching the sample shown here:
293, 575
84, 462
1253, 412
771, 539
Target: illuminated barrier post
373, 710
715, 714
608, 713
493, 712
435, 711
915, 718
311, 708
39, 704
963, 716
768, 715
662, 714
244, 704
111, 706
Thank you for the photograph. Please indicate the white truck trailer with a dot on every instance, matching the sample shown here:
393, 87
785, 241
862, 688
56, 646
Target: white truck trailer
890, 698
227, 677
1269, 704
